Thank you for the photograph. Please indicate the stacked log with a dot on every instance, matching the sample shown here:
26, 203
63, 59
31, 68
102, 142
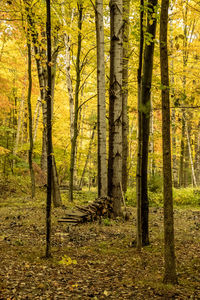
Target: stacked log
102, 206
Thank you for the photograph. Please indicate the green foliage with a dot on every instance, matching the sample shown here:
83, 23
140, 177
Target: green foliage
186, 196
181, 197
107, 222
131, 197
155, 183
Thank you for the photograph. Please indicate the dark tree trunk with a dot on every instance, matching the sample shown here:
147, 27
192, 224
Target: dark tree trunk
146, 109
76, 106
139, 151
42, 77
49, 132
169, 251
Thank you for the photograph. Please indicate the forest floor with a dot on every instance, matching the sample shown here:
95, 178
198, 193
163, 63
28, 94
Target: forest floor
94, 260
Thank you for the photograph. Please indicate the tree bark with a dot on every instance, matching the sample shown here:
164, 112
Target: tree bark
67, 43
101, 101
115, 106
76, 106
169, 251
125, 121
139, 150
36, 118
146, 109
30, 154
194, 182
88, 156
182, 152
49, 132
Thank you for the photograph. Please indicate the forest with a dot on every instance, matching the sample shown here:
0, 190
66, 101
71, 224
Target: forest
99, 149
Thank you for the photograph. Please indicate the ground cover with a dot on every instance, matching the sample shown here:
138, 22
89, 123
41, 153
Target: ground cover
95, 260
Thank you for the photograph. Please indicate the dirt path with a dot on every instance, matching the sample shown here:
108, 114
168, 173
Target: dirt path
94, 261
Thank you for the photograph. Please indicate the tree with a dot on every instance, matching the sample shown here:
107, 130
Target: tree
101, 104
125, 120
139, 150
144, 119
169, 251
76, 104
49, 131
115, 106
30, 154
40, 56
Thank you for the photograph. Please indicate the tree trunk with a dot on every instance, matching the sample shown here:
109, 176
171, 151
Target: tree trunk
88, 156
197, 154
182, 154
146, 109
67, 43
125, 121
139, 150
30, 154
42, 77
36, 118
151, 143
169, 251
20, 118
49, 132
115, 106
76, 108
101, 102
173, 114
194, 182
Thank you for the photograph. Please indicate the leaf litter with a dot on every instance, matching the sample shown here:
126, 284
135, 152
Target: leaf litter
94, 261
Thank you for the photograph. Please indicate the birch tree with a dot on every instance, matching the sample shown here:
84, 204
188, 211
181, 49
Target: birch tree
101, 104
125, 121
115, 106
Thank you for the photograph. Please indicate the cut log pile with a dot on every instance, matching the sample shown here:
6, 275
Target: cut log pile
102, 206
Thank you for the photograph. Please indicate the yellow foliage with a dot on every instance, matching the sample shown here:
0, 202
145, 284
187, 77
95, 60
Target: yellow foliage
66, 260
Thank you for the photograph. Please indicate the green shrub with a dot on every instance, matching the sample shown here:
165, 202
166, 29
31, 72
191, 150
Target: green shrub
155, 183
186, 196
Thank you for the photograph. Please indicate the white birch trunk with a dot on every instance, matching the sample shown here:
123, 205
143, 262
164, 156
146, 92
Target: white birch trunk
115, 108
101, 104
190, 154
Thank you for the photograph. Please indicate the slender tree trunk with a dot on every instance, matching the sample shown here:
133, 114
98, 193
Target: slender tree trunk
36, 118
101, 102
197, 155
42, 77
76, 108
194, 182
146, 109
88, 156
20, 118
173, 114
115, 106
169, 251
139, 150
67, 43
49, 133
30, 156
151, 143
182, 153
125, 121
